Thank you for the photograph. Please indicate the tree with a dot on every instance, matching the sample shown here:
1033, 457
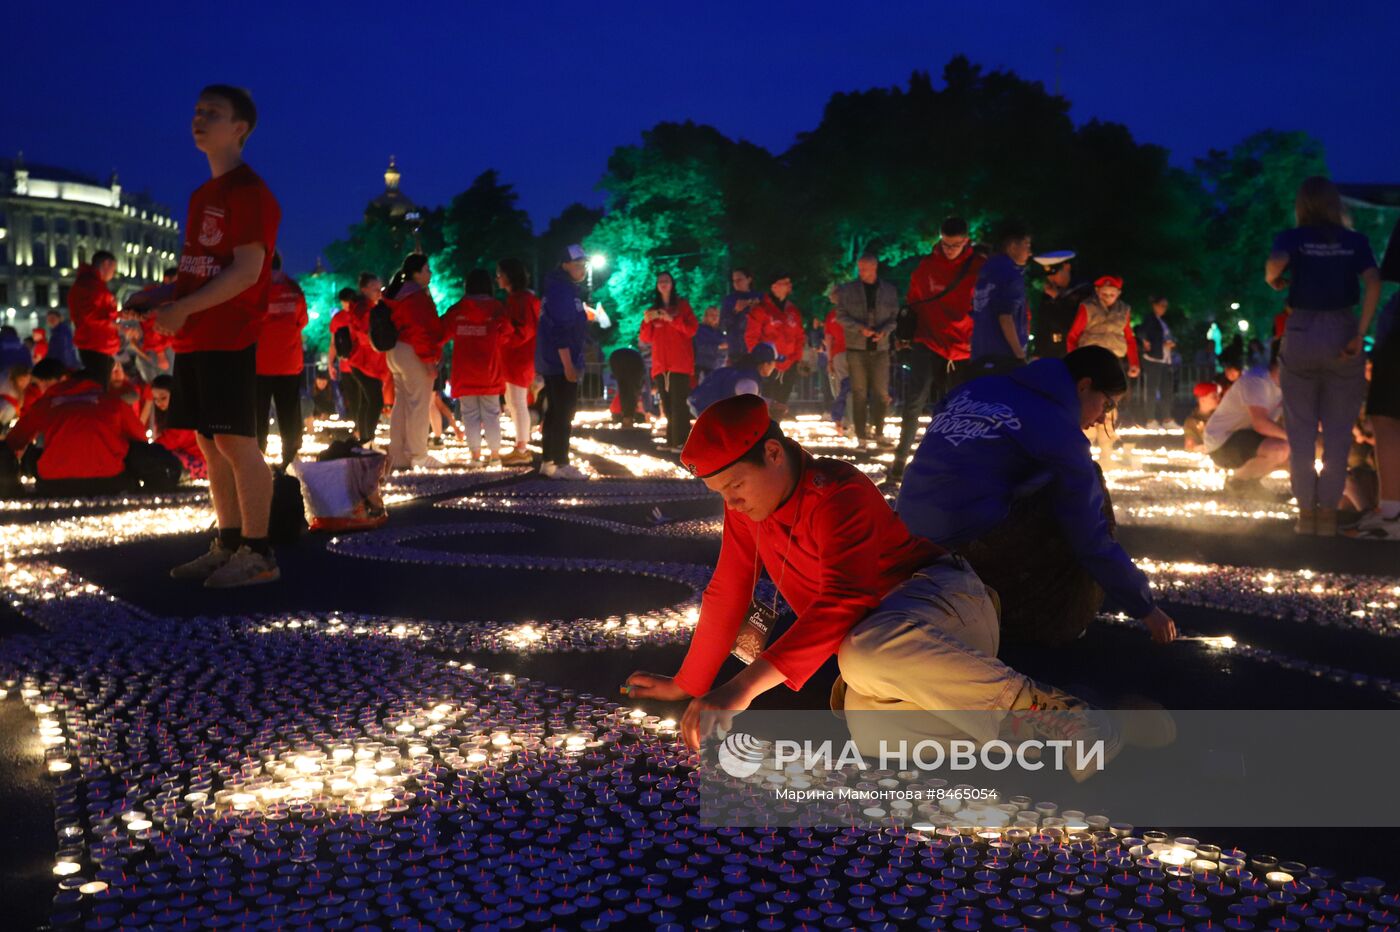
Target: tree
1251, 190
482, 225
665, 212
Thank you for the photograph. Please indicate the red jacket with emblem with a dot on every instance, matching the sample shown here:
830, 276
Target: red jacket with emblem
835, 549
93, 309
672, 341
87, 431
366, 359
518, 344
416, 317
476, 326
781, 326
944, 324
279, 340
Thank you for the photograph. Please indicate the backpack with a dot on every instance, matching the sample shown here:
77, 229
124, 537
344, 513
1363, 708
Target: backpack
383, 334
344, 343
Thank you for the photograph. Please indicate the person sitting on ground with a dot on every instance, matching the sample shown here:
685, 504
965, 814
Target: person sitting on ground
93, 443
1207, 396
911, 625
14, 385
1004, 476
1244, 433
746, 376
183, 443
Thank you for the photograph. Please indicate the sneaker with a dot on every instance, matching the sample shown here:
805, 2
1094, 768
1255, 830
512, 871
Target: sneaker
1046, 712
1154, 424
517, 458
429, 462
1169, 424
205, 564
1375, 527
547, 470
568, 471
244, 568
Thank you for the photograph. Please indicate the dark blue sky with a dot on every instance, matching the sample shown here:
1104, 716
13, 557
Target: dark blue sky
544, 91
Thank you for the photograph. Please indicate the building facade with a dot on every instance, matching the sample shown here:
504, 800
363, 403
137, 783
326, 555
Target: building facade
52, 220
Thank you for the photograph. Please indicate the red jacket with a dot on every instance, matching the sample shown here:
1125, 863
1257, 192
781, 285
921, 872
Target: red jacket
87, 431
366, 359
93, 309
416, 316
836, 332
518, 345
178, 440
836, 550
41, 344
279, 339
782, 327
945, 325
672, 342
477, 327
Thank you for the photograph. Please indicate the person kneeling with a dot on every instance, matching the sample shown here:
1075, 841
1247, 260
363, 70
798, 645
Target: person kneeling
1244, 433
1005, 477
911, 625
93, 443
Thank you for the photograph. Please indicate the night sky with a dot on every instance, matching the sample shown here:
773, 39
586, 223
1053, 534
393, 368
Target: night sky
544, 91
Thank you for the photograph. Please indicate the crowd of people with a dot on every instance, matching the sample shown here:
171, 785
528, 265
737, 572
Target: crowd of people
184, 379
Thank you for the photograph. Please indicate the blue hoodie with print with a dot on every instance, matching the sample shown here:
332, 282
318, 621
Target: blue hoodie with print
563, 324
1000, 439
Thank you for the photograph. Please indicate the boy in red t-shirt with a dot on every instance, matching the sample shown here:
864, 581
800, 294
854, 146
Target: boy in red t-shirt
220, 297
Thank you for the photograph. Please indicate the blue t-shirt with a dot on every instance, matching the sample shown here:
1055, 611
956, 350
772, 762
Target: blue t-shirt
1324, 265
1001, 290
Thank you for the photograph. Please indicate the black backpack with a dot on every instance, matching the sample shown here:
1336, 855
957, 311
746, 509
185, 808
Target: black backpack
344, 343
383, 334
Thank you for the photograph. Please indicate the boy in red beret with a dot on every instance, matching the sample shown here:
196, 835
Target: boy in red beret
856, 579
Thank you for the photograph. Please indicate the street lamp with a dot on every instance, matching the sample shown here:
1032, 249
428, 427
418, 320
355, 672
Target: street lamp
1244, 326
1234, 305
597, 262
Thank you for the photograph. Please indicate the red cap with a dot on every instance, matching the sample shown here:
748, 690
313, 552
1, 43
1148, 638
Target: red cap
1113, 280
723, 433
1205, 389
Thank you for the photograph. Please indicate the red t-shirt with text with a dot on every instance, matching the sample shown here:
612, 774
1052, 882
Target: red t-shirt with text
235, 209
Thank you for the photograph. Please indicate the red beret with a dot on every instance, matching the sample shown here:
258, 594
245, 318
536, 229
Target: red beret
1205, 389
723, 433
1112, 280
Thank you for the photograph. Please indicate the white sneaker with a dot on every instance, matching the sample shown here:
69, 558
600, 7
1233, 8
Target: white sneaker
568, 472
1169, 424
1375, 527
429, 462
548, 470
1154, 425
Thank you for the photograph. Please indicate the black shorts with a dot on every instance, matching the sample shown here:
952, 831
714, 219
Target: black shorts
216, 392
1384, 395
1238, 450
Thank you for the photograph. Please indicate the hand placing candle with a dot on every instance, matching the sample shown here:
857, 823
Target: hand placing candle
641, 685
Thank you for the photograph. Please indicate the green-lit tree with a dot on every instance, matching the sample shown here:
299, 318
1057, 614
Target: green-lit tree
321, 288
1251, 189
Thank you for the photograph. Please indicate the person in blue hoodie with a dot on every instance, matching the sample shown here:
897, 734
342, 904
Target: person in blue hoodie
745, 377
563, 330
61, 342
1005, 477
734, 311
1000, 319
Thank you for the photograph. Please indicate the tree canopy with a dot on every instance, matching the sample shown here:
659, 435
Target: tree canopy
879, 172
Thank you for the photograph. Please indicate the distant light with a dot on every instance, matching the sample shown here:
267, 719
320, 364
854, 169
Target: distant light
314, 315
1234, 305
597, 261
1244, 326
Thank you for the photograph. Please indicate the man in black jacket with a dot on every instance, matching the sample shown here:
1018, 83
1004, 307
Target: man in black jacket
1059, 303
